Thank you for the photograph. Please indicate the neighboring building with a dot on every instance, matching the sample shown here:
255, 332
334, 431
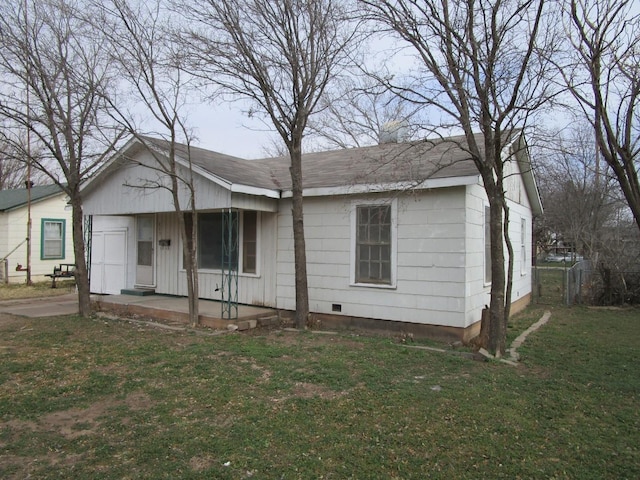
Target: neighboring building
51, 232
395, 233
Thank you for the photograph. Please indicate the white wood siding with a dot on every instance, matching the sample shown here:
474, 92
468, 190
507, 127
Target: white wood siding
440, 258
252, 289
15, 231
120, 192
430, 265
250, 202
477, 292
4, 237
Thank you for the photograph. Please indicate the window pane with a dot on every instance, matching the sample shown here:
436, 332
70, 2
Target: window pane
52, 248
188, 225
52, 239
374, 234
249, 241
145, 253
386, 271
52, 230
373, 244
211, 242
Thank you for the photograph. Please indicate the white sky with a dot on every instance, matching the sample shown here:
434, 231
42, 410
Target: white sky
224, 128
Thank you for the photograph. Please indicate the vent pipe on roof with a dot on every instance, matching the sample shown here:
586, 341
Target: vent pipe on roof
395, 131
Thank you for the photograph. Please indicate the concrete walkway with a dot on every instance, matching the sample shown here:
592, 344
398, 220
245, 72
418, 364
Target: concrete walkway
42, 306
512, 351
513, 357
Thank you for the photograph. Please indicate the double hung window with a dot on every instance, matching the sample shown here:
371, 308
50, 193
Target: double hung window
374, 244
52, 239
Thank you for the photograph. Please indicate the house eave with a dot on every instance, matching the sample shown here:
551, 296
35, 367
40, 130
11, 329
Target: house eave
232, 187
257, 191
529, 180
387, 187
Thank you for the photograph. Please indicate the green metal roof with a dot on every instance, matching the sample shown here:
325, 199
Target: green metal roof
10, 199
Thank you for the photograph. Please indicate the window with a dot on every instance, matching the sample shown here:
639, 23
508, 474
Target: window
217, 236
52, 239
249, 241
523, 246
373, 244
487, 245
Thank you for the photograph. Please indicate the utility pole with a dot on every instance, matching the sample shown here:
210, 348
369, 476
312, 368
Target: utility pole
26, 31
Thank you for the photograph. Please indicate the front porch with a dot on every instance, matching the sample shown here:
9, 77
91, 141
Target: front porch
175, 310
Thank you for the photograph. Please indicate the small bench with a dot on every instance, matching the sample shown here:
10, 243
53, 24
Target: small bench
64, 270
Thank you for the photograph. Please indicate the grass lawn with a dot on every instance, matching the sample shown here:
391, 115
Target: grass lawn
14, 291
100, 399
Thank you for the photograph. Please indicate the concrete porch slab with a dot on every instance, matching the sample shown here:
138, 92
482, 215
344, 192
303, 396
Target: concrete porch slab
176, 309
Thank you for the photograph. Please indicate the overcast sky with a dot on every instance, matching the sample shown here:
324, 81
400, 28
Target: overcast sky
224, 128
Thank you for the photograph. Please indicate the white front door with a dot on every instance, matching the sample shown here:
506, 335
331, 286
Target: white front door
145, 252
108, 262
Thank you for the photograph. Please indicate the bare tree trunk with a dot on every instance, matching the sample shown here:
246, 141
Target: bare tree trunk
498, 322
81, 272
509, 289
302, 292
281, 56
191, 269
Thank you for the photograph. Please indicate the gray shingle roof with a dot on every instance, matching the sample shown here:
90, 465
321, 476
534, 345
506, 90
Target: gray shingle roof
379, 164
18, 197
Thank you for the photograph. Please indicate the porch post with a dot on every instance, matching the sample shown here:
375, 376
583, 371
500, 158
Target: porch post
230, 235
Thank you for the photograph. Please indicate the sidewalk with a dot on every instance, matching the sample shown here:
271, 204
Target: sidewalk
42, 306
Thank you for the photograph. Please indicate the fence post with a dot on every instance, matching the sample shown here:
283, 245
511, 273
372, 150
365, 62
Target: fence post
4, 270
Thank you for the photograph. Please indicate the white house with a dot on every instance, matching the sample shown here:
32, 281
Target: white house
395, 233
50, 231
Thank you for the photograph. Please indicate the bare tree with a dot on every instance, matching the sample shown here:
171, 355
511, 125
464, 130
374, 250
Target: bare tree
602, 73
281, 56
478, 69
582, 200
12, 169
54, 67
151, 67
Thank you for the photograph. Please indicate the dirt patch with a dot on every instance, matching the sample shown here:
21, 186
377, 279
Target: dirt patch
294, 338
310, 390
76, 422
199, 464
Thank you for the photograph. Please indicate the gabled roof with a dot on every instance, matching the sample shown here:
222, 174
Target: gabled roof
392, 166
388, 164
10, 199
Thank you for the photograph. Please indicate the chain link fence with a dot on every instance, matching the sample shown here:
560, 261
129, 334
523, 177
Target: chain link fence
583, 284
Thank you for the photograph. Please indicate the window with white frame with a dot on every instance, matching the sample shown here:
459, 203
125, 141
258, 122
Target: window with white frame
249, 241
523, 246
52, 239
487, 244
374, 236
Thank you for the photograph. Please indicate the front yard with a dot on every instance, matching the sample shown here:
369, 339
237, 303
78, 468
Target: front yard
105, 399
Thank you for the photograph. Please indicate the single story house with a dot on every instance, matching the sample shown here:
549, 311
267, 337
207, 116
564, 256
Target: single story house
396, 233
50, 230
